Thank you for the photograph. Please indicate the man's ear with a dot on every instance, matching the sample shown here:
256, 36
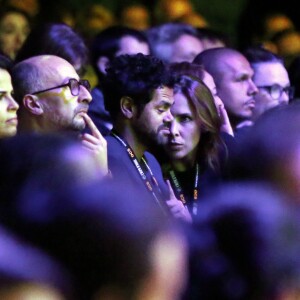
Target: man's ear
128, 107
102, 64
32, 104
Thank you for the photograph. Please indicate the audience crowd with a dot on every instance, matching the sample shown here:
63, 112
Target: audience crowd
144, 155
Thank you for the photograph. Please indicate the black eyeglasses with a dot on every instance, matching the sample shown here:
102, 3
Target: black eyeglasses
73, 84
276, 90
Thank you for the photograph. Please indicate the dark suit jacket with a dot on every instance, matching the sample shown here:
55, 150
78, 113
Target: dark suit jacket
124, 171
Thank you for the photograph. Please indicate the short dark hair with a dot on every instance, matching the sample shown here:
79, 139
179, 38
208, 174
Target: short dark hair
134, 76
107, 42
258, 54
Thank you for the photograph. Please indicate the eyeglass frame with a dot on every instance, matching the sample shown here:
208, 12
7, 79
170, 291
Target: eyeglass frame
84, 82
290, 90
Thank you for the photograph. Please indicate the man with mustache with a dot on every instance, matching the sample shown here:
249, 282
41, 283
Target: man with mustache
53, 99
138, 93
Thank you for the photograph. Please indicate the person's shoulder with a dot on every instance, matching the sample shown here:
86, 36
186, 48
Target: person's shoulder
151, 159
112, 144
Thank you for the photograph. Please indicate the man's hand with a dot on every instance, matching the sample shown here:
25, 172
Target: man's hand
96, 144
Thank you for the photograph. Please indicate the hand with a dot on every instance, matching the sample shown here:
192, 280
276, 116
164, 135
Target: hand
225, 122
96, 144
176, 207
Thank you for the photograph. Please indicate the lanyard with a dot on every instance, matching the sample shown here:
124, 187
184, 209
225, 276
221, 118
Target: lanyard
179, 190
143, 176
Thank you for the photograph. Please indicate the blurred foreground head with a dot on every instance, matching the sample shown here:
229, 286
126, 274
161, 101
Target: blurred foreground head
244, 245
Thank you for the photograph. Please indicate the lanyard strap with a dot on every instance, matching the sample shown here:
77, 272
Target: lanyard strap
143, 176
179, 190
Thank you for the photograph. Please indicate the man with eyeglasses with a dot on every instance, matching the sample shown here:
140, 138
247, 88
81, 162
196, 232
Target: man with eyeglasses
53, 99
271, 78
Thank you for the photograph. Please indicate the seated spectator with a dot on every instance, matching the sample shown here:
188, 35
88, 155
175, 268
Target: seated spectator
270, 77
244, 245
53, 99
174, 42
108, 44
8, 106
15, 25
192, 147
138, 92
196, 70
233, 76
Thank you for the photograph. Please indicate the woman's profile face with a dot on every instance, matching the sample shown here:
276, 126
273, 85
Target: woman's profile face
185, 132
8, 106
14, 29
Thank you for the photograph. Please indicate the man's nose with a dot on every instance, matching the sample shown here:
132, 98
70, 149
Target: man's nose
253, 90
84, 95
13, 105
284, 98
168, 117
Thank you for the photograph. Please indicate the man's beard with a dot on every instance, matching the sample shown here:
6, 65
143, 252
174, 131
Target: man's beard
152, 140
78, 123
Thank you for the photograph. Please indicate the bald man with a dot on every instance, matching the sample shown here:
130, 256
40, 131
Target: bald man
232, 74
53, 99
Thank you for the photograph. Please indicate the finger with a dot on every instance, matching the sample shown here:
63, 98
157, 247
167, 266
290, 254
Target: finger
89, 145
92, 139
171, 191
94, 130
226, 125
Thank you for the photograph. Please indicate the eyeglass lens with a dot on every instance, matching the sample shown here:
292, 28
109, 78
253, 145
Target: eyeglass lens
276, 91
75, 86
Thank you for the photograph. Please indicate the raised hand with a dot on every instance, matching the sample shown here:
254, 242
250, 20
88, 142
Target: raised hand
177, 208
225, 122
96, 144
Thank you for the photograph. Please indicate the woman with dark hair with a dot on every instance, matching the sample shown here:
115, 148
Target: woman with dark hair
193, 146
196, 70
15, 25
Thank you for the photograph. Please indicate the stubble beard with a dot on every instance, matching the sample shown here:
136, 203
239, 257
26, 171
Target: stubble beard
78, 123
